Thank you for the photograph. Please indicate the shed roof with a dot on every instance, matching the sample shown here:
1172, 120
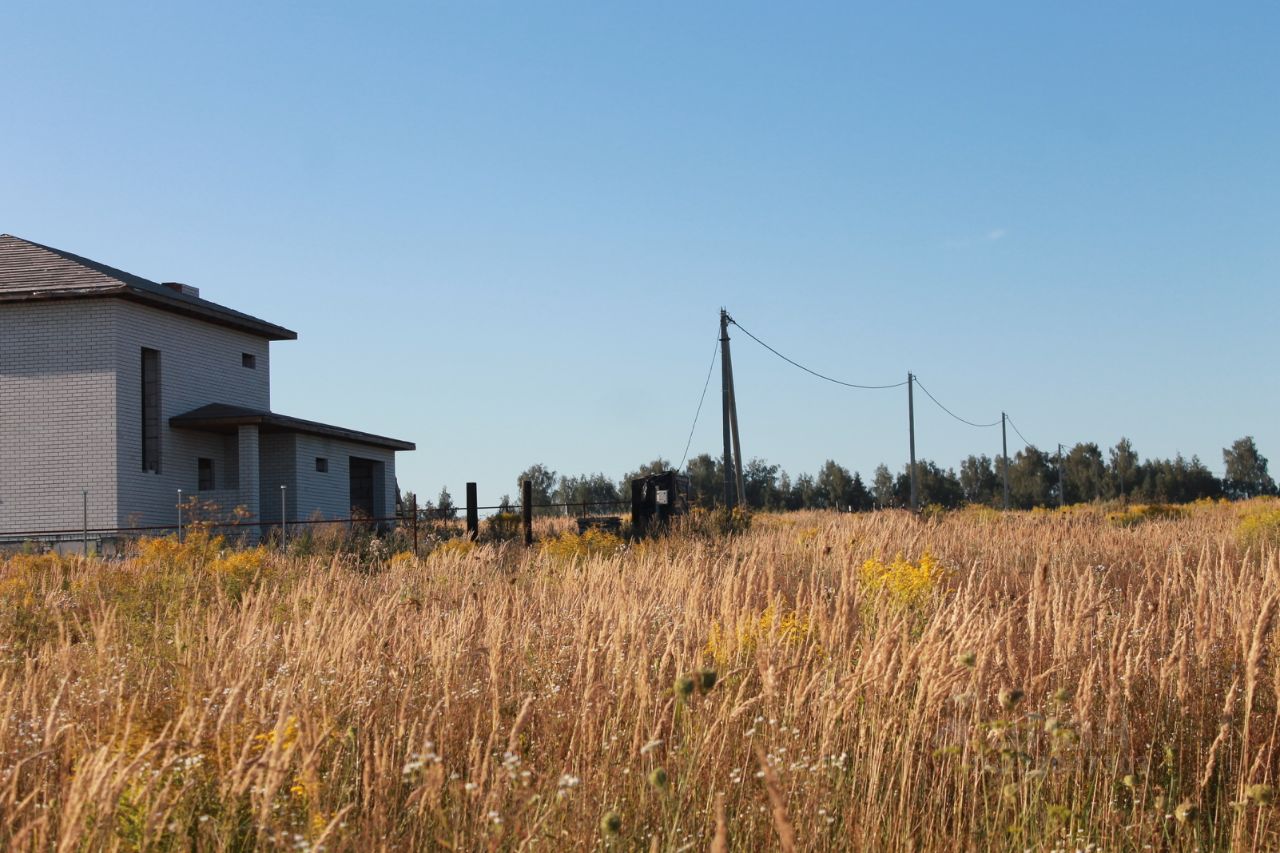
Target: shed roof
30, 271
223, 417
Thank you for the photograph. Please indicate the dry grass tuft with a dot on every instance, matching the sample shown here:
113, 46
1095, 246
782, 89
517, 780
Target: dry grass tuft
1037, 680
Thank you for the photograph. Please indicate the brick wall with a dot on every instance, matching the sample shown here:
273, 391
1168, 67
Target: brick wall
277, 469
57, 406
329, 494
200, 363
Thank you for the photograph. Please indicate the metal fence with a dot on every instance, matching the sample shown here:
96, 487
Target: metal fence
411, 522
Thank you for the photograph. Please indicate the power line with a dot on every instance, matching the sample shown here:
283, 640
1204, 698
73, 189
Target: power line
705, 386
1019, 432
814, 372
949, 412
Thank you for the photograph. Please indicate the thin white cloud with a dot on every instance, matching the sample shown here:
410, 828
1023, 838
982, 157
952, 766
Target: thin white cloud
992, 236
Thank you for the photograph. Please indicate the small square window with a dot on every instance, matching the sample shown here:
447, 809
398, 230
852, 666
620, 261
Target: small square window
204, 469
322, 465
249, 360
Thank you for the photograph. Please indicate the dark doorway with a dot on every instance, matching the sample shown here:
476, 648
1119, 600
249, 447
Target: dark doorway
362, 491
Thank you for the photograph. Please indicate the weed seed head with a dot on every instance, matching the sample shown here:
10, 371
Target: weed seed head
707, 680
611, 823
658, 778
1009, 697
1263, 795
967, 659
684, 686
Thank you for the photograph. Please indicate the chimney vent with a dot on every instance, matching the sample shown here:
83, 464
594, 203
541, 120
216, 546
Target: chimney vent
184, 289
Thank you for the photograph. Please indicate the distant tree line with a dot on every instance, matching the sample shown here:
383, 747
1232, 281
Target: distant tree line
1085, 471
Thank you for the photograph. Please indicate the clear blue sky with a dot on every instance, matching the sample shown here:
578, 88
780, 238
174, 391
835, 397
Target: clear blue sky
504, 231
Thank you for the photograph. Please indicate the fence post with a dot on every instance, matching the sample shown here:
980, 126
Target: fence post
85, 519
473, 513
526, 509
415, 524
179, 516
284, 519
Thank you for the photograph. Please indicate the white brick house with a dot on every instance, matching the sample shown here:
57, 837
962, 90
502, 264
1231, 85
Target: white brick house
131, 390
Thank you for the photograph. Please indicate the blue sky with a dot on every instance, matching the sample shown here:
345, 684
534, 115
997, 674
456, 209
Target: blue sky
504, 231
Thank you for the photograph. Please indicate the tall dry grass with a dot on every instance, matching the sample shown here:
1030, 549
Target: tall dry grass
1052, 681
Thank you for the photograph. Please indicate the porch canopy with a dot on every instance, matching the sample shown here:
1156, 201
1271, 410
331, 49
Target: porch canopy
225, 418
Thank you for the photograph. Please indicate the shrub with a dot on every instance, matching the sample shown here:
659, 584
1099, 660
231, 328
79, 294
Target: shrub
907, 583
1260, 526
1140, 513
592, 543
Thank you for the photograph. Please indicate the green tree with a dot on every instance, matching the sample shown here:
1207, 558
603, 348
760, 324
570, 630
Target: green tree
1031, 478
883, 488
804, 494
978, 481
597, 490
760, 481
543, 481
706, 480
935, 485
834, 486
445, 507
1178, 481
860, 499
1123, 471
1084, 473
1247, 474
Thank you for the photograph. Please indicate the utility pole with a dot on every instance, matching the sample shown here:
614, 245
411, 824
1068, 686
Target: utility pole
911, 422
1004, 455
733, 422
726, 396
1062, 495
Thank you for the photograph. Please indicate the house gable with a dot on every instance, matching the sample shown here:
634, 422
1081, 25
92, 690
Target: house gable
32, 272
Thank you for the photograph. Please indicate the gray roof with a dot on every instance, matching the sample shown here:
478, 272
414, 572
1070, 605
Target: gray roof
223, 417
30, 271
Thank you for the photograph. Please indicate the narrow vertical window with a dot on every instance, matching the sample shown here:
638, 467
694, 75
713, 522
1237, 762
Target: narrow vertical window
151, 410
204, 474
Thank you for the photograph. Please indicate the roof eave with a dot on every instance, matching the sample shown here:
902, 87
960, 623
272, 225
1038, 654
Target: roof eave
284, 423
221, 316
207, 312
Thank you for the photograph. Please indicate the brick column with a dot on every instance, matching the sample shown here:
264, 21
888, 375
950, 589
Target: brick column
248, 496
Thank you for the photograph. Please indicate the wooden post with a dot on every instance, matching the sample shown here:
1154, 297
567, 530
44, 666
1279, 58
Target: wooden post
473, 514
526, 509
726, 404
911, 431
414, 523
740, 493
1004, 455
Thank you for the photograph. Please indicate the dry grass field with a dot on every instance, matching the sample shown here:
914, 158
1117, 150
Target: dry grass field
1043, 681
